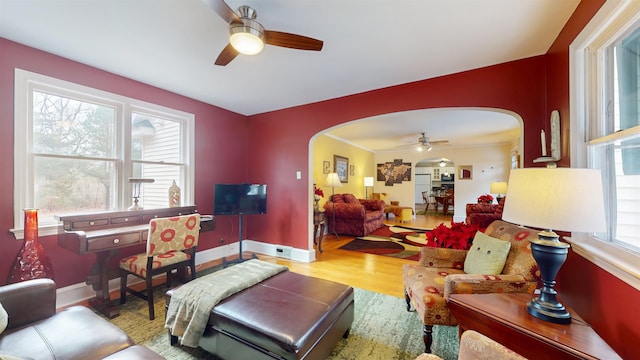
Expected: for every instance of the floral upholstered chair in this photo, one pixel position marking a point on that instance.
(475, 346)
(171, 245)
(441, 272)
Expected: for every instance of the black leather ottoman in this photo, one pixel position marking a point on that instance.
(288, 316)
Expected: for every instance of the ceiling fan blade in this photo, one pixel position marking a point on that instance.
(226, 55)
(225, 12)
(292, 41)
(439, 142)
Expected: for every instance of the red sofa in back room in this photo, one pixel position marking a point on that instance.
(357, 217)
(484, 214)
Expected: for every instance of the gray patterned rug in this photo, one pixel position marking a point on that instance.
(382, 329)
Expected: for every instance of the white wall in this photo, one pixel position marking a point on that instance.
(490, 163)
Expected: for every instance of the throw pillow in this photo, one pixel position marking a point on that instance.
(487, 255)
(4, 319)
(350, 199)
(338, 198)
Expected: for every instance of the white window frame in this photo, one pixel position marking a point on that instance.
(585, 52)
(125, 106)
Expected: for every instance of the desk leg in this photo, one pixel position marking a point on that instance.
(99, 280)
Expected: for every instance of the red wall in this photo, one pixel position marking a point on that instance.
(280, 139)
(221, 148)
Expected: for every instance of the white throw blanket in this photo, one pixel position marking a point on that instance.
(191, 304)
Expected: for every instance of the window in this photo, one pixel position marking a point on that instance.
(606, 112)
(78, 150)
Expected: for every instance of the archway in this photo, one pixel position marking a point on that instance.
(492, 163)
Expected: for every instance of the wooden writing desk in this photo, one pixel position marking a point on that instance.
(504, 318)
(104, 233)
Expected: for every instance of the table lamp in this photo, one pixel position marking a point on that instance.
(499, 188)
(333, 180)
(563, 199)
(368, 182)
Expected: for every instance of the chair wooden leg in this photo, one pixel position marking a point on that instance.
(427, 336)
(123, 286)
(193, 270)
(152, 314)
(169, 279)
(407, 299)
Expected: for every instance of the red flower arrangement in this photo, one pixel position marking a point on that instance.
(486, 198)
(317, 191)
(458, 236)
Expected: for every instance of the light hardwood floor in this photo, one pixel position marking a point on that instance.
(376, 273)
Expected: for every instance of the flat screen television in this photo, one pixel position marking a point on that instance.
(446, 177)
(233, 199)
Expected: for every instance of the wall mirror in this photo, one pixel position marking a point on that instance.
(465, 172)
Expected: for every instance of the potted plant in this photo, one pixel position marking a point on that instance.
(457, 236)
(485, 199)
(317, 195)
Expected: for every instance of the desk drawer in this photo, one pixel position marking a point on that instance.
(88, 224)
(113, 241)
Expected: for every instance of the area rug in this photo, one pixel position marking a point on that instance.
(402, 242)
(382, 329)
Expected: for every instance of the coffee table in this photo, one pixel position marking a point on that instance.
(504, 318)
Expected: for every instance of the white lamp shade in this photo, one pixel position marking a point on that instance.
(333, 180)
(368, 181)
(563, 199)
(499, 187)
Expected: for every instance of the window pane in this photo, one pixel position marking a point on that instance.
(64, 126)
(63, 186)
(623, 193)
(155, 139)
(156, 194)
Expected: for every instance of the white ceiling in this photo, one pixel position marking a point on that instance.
(172, 44)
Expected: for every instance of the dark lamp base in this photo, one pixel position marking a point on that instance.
(552, 312)
(549, 254)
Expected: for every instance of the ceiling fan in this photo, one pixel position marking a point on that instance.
(247, 36)
(424, 144)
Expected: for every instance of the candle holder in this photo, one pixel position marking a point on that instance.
(32, 261)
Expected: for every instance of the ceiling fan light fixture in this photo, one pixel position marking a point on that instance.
(247, 38)
(424, 147)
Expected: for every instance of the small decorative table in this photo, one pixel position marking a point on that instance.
(318, 224)
(504, 318)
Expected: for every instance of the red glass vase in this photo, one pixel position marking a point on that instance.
(31, 262)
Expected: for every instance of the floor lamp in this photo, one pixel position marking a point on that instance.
(563, 199)
(333, 180)
(368, 182)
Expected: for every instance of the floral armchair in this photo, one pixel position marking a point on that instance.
(440, 273)
(357, 217)
(484, 214)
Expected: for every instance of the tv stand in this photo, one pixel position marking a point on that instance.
(240, 259)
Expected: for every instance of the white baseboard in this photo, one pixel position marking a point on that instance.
(76, 293)
(270, 249)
